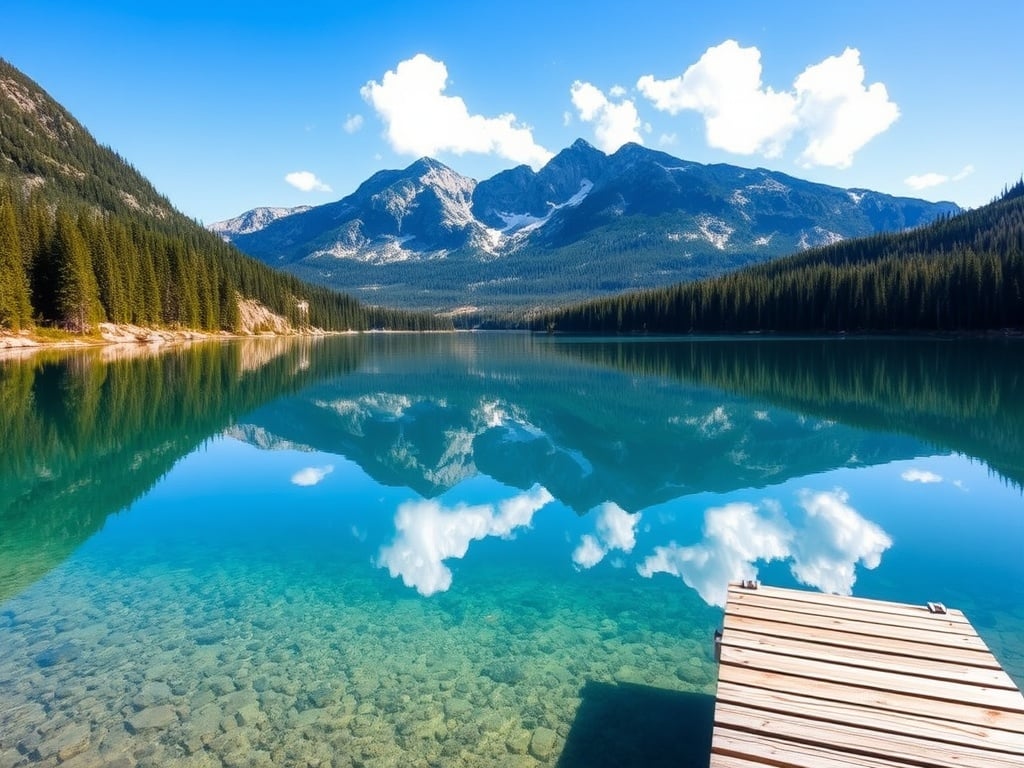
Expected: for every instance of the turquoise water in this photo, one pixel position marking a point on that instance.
(493, 550)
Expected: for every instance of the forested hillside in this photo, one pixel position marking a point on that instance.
(85, 238)
(962, 273)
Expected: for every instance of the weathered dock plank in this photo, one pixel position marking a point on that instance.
(807, 679)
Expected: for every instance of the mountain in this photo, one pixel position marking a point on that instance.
(252, 221)
(961, 273)
(585, 224)
(85, 238)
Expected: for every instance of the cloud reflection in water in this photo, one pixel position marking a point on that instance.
(311, 475)
(615, 529)
(427, 534)
(825, 546)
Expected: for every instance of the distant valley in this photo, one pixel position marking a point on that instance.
(587, 224)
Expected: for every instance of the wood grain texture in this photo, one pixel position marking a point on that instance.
(809, 680)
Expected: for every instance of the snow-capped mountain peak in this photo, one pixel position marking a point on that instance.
(252, 221)
(586, 223)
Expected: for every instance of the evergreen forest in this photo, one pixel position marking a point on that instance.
(963, 273)
(85, 238)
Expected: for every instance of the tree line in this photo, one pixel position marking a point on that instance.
(74, 266)
(961, 273)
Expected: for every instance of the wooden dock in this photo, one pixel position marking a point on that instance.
(807, 679)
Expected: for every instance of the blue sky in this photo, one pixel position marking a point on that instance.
(225, 106)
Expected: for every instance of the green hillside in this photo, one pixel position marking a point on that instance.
(964, 273)
(85, 238)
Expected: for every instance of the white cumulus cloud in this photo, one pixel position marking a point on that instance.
(921, 476)
(838, 113)
(312, 475)
(420, 119)
(921, 181)
(925, 180)
(615, 122)
(829, 105)
(306, 181)
(352, 123)
(615, 529)
(427, 534)
(966, 171)
(725, 87)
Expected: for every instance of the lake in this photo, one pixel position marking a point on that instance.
(469, 549)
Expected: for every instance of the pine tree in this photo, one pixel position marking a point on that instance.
(15, 310)
(78, 301)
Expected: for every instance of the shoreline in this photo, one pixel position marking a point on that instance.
(109, 334)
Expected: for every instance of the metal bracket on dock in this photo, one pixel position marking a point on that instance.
(748, 584)
(936, 608)
(718, 645)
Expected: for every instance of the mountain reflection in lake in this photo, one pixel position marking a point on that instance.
(460, 549)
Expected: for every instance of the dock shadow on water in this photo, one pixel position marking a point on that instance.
(637, 725)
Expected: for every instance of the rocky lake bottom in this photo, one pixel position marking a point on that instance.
(256, 666)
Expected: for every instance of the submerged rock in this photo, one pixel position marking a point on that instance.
(454, 708)
(152, 717)
(58, 654)
(65, 744)
(519, 742)
(152, 693)
(506, 672)
(543, 743)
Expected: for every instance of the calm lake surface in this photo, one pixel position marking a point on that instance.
(469, 549)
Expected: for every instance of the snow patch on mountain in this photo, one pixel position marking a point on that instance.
(488, 240)
(818, 236)
(715, 231)
(382, 251)
(252, 221)
(768, 184)
(855, 196)
(525, 222)
(517, 222)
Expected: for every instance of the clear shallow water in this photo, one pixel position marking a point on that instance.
(469, 550)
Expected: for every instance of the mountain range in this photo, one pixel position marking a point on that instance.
(586, 224)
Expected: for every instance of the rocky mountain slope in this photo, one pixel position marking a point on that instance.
(252, 221)
(585, 224)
